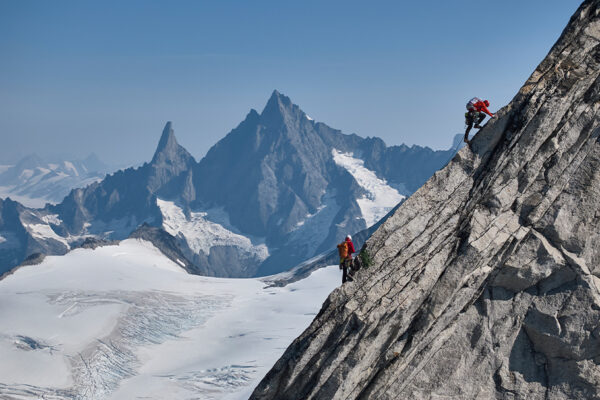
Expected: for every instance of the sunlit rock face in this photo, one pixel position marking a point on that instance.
(485, 281)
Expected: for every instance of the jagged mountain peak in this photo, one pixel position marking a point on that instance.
(169, 151)
(274, 177)
(252, 118)
(170, 159)
(167, 143)
(277, 100)
(280, 109)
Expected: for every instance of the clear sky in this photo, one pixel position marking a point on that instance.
(105, 76)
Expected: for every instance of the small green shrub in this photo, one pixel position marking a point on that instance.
(365, 258)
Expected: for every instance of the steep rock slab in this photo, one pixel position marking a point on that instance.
(485, 282)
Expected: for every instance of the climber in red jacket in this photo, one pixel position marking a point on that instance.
(345, 249)
(475, 114)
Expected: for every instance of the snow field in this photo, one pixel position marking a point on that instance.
(124, 321)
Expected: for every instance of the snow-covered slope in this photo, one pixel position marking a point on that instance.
(125, 322)
(203, 230)
(380, 198)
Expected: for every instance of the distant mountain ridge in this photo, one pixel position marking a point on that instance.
(277, 190)
(34, 181)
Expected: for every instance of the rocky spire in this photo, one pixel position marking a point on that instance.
(167, 145)
(168, 150)
(277, 103)
(280, 110)
(170, 159)
(485, 282)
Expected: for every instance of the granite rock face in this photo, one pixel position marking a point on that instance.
(485, 283)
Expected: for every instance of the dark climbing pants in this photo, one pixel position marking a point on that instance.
(473, 118)
(345, 266)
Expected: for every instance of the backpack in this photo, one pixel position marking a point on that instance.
(471, 103)
(343, 249)
(356, 264)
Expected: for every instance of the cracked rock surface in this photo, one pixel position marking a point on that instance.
(485, 283)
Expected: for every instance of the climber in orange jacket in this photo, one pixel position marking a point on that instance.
(475, 114)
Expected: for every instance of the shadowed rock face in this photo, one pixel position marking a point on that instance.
(485, 281)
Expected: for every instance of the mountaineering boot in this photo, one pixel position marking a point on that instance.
(478, 126)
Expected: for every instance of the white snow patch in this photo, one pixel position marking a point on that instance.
(126, 322)
(205, 229)
(9, 191)
(2, 239)
(27, 201)
(26, 174)
(380, 198)
(45, 232)
(308, 117)
(52, 219)
(70, 167)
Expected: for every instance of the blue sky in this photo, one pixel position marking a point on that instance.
(105, 76)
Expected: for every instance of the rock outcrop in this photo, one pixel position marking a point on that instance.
(485, 281)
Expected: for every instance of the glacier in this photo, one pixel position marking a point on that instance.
(124, 321)
(380, 197)
(205, 229)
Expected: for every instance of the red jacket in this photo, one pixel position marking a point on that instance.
(350, 248)
(480, 106)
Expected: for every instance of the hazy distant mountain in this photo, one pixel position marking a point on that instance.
(277, 190)
(35, 182)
